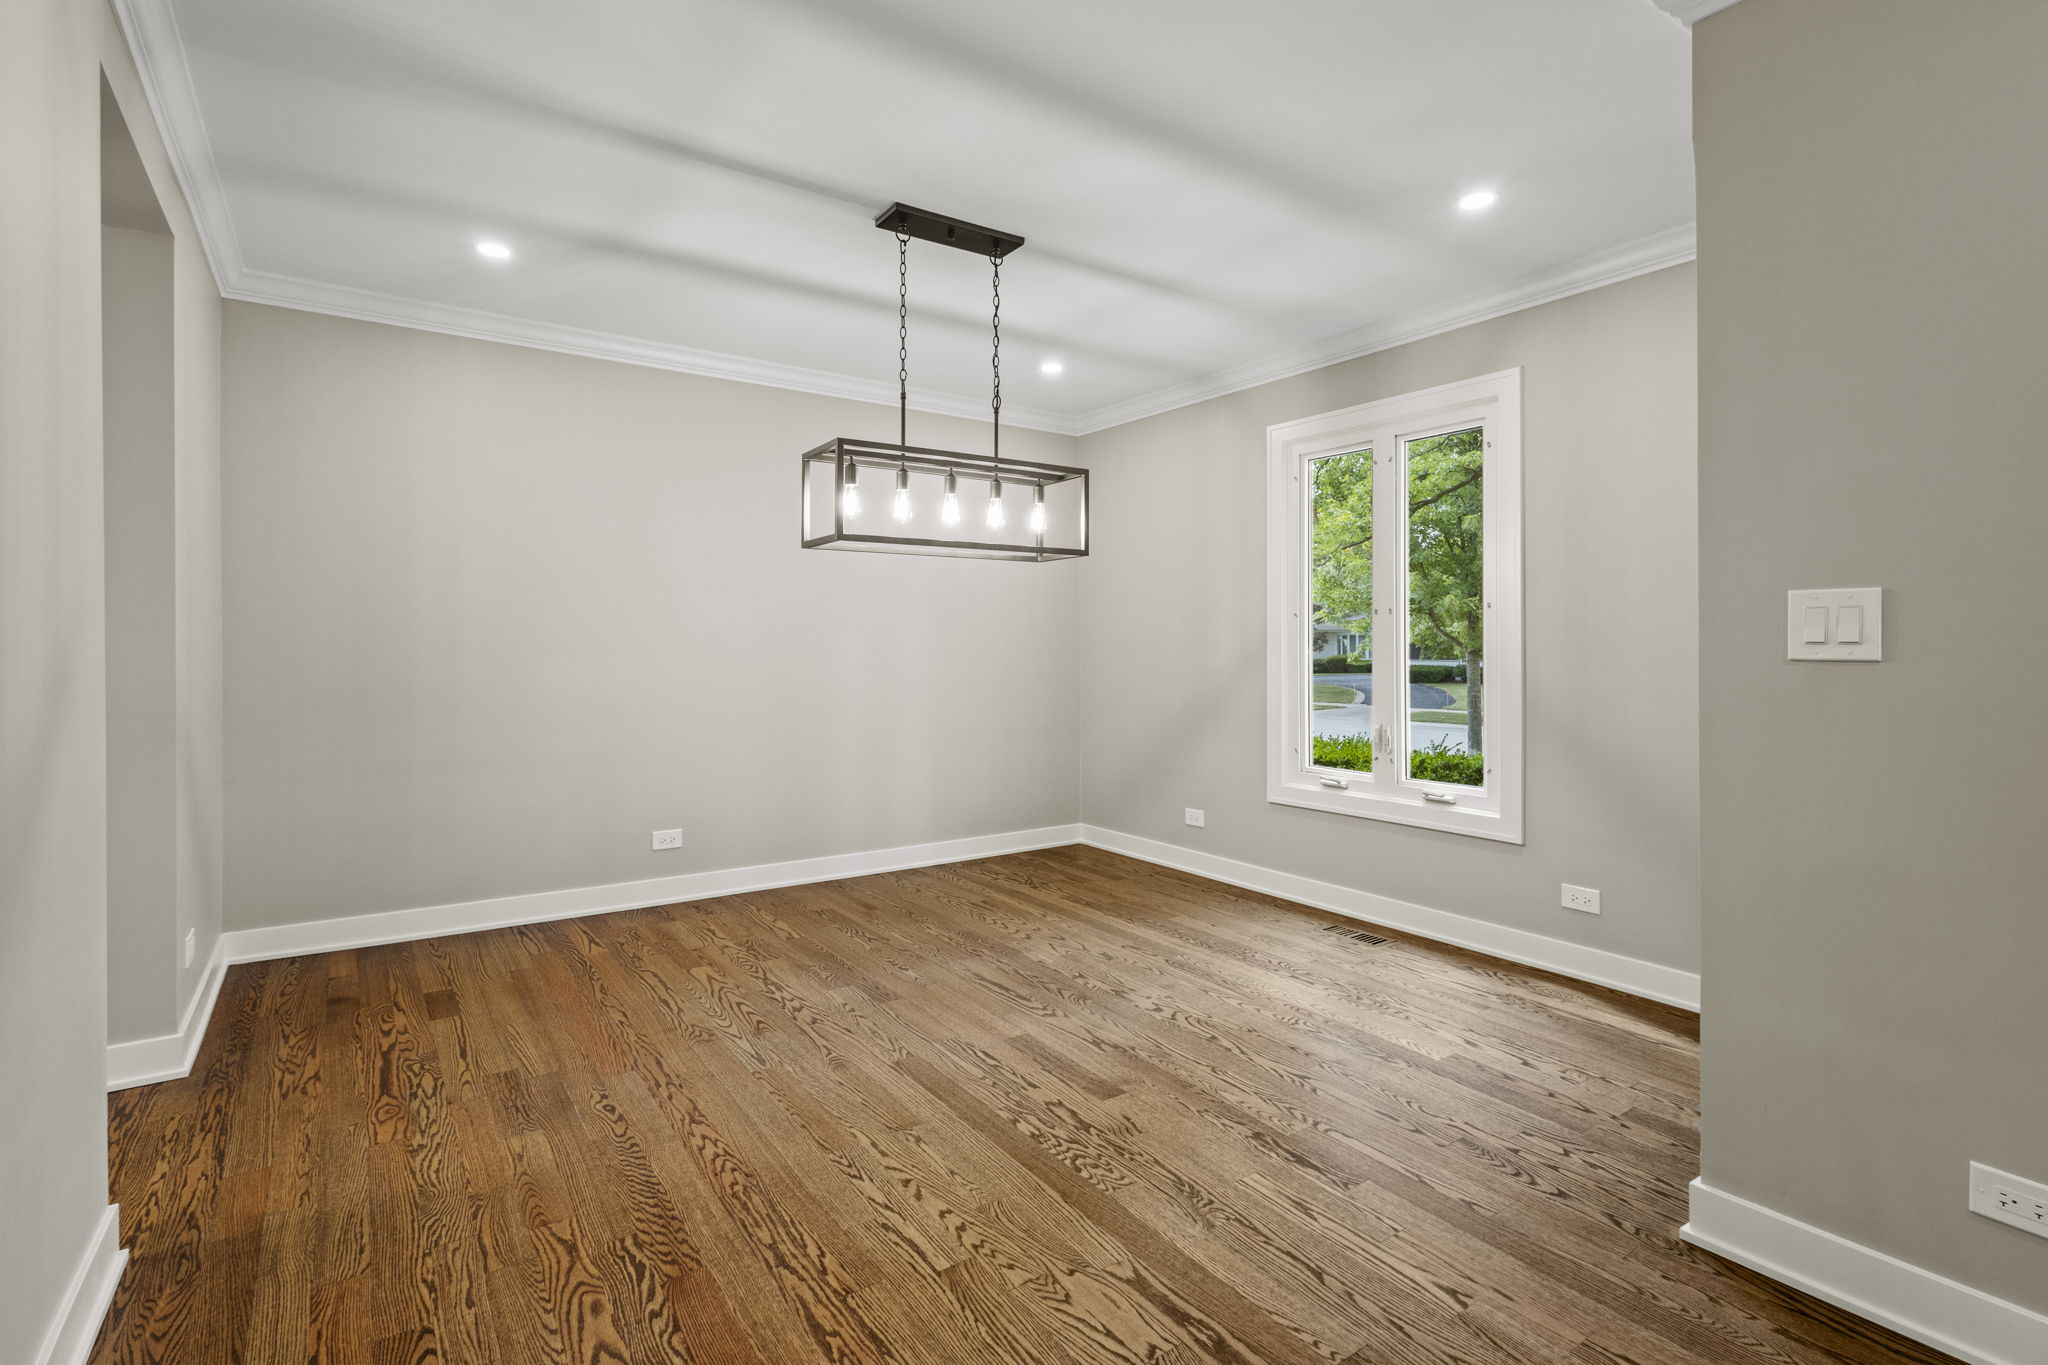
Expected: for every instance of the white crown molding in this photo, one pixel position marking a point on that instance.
(1647, 979)
(1966, 1323)
(76, 1323)
(1640, 257)
(145, 1061)
(151, 29)
(159, 52)
(152, 33)
(1690, 12)
(287, 291)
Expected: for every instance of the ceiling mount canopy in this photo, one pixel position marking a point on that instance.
(924, 515)
(906, 221)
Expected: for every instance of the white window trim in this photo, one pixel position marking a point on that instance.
(1493, 401)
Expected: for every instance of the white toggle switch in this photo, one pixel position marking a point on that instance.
(1834, 623)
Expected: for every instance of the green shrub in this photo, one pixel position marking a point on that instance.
(1438, 763)
(1344, 751)
(1421, 673)
(1441, 763)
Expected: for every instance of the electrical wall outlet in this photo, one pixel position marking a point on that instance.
(668, 838)
(1580, 898)
(191, 945)
(2009, 1199)
(1196, 818)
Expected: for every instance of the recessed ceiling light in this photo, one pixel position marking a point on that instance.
(494, 251)
(1479, 199)
(1052, 367)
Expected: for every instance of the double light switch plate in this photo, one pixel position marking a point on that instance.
(1825, 624)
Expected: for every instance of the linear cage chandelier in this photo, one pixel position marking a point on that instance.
(904, 499)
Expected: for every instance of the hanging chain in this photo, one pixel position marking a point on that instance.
(995, 362)
(902, 340)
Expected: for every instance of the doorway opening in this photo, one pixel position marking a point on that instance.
(137, 279)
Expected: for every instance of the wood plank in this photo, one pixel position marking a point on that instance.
(1057, 1108)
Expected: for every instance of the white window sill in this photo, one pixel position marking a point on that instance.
(1403, 805)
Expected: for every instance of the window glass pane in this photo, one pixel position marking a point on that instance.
(1446, 608)
(1340, 625)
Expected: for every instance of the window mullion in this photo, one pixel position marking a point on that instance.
(1303, 649)
(1390, 605)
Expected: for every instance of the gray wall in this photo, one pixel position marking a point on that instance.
(53, 721)
(494, 614)
(53, 1178)
(1872, 295)
(1174, 640)
(161, 396)
(137, 272)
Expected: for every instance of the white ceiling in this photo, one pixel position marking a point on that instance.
(1214, 192)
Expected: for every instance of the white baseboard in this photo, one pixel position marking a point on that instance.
(1967, 1323)
(76, 1324)
(170, 1057)
(464, 917)
(146, 1061)
(1952, 1317)
(1647, 979)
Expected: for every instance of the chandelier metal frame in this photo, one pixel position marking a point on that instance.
(831, 472)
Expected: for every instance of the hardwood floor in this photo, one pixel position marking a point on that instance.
(1060, 1107)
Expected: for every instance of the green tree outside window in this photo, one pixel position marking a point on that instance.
(1446, 556)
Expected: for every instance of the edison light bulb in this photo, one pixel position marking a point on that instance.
(949, 510)
(849, 496)
(995, 504)
(1038, 510)
(901, 511)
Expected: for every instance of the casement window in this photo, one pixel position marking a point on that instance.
(1397, 525)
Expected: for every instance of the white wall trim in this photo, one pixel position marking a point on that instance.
(1602, 968)
(151, 29)
(152, 32)
(145, 1061)
(464, 917)
(1656, 252)
(1626, 262)
(171, 1057)
(1967, 1323)
(76, 1323)
(288, 291)
(1690, 12)
(1640, 257)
